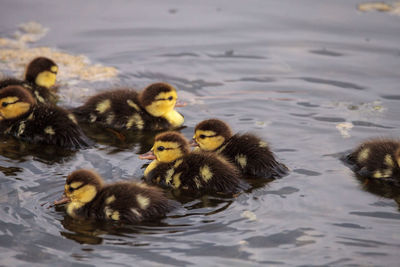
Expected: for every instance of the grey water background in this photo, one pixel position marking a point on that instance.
(289, 71)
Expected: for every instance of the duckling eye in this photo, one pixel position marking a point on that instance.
(71, 189)
(160, 148)
(4, 104)
(170, 98)
(202, 136)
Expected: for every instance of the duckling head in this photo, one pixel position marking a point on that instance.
(15, 101)
(42, 71)
(168, 147)
(159, 100)
(211, 134)
(80, 188)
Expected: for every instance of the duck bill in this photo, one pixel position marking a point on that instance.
(148, 155)
(193, 143)
(64, 199)
(180, 104)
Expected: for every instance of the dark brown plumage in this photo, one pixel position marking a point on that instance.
(250, 154)
(127, 109)
(125, 202)
(194, 173)
(376, 158)
(39, 124)
(34, 68)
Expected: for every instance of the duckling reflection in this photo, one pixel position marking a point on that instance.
(151, 109)
(40, 78)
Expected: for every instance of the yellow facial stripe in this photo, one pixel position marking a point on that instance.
(171, 151)
(13, 109)
(84, 194)
(75, 185)
(162, 105)
(54, 69)
(46, 79)
(210, 142)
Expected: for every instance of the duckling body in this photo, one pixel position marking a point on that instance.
(152, 109)
(22, 118)
(248, 152)
(196, 172)
(377, 158)
(126, 202)
(40, 76)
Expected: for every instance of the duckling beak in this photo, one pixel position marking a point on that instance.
(180, 104)
(64, 199)
(148, 155)
(193, 143)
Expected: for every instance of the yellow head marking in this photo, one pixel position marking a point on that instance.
(241, 160)
(46, 79)
(82, 194)
(49, 130)
(132, 104)
(103, 106)
(75, 185)
(166, 151)
(10, 108)
(143, 201)
(110, 199)
(363, 155)
(205, 173)
(389, 161)
(208, 140)
(176, 180)
(54, 69)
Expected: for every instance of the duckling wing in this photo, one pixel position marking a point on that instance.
(253, 157)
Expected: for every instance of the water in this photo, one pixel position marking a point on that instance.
(313, 78)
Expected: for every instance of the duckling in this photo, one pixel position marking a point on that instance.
(126, 202)
(376, 158)
(22, 118)
(152, 109)
(40, 77)
(250, 154)
(174, 166)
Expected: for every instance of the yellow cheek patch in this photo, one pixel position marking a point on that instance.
(46, 79)
(162, 105)
(363, 155)
(54, 69)
(84, 194)
(171, 153)
(13, 110)
(143, 201)
(103, 106)
(206, 173)
(241, 160)
(209, 143)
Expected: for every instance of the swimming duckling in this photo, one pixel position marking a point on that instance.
(40, 77)
(152, 109)
(126, 202)
(22, 118)
(377, 158)
(175, 167)
(250, 154)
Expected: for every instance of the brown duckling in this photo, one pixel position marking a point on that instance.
(22, 118)
(376, 158)
(175, 167)
(152, 109)
(250, 154)
(126, 202)
(40, 77)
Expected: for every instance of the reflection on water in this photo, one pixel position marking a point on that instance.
(313, 78)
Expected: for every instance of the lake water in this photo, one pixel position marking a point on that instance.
(313, 78)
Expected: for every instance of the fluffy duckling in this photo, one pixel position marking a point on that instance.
(22, 118)
(175, 167)
(126, 202)
(152, 109)
(250, 154)
(377, 158)
(40, 76)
